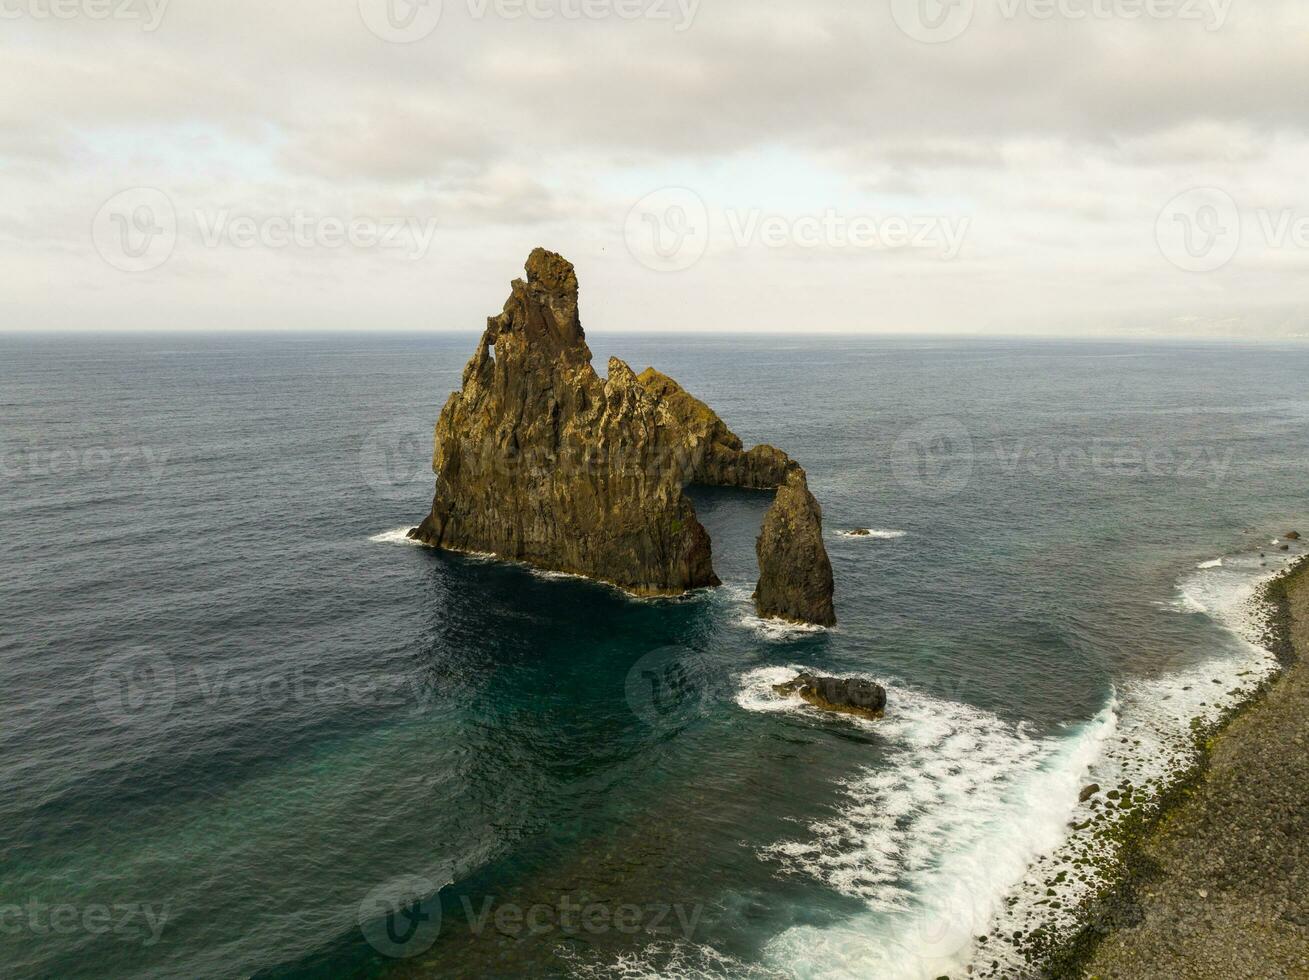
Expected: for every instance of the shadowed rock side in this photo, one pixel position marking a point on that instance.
(795, 574)
(539, 459)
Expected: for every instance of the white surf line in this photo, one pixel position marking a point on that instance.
(974, 830)
(874, 534)
(399, 536)
(932, 841)
(1153, 744)
(773, 630)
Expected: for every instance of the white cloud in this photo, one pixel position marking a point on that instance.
(1057, 140)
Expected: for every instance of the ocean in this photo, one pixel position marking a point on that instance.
(241, 716)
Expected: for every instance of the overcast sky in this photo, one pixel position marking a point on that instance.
(1002, 166)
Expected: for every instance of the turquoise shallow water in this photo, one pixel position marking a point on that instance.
(234, 707)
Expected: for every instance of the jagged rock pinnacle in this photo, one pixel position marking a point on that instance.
(539, 459)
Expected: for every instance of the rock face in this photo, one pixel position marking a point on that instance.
(795, 574)
(539, 459)
(852, 696)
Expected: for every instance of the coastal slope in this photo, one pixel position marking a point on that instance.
(1222, 884)
(538, 459)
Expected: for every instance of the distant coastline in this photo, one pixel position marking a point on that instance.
(1211, 876)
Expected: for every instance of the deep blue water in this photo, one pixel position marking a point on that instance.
(229, 715)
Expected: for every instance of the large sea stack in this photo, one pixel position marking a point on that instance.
(539, 459)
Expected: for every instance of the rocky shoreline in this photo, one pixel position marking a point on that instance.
(1214, 878)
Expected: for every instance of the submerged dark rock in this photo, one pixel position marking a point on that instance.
(539, 459)
(850, 696)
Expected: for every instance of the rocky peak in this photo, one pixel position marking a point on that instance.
(795, 574)
(541, 312)
(540, 460)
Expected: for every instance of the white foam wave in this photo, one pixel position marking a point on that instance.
(1216, 563)
(873, 534)
(755, 692)
(399, 536)
(777, 630)
(972, 827)
(551, 575)
(1225, 590)
(1153, 742)
(674, 960)
(931, 840)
